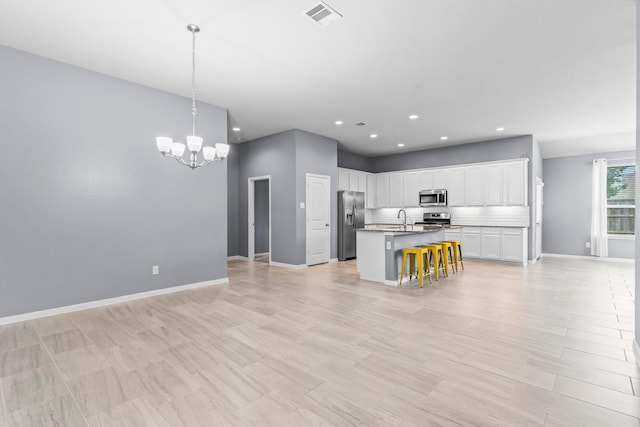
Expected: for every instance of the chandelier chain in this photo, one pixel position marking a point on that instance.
(193, 82)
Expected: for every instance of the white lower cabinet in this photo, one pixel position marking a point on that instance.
(512, 245)
(471, 242)
(494, 243)
(490, 243)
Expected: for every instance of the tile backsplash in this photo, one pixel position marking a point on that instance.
(491, 216)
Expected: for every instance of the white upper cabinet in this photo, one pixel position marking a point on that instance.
(515, 183)
(439, 179)
(396, 185)
(455, 186)
(411, 189)
(343, 179)
(362, 182)
(426, 180)
(370, 195)
(353, 180)
(474, 185)
(493, 187)
(382, 190)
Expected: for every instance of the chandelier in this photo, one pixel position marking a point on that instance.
(170, 148)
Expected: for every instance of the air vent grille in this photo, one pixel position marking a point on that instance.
(322, 14)
(360, 124)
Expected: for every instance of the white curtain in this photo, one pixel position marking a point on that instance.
(599, 241)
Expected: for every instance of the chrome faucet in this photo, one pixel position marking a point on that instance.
(404, 221)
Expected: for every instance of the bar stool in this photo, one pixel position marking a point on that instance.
(415, 253)
(449, 256)
(444, 254)
(457, 252)
(436, 254)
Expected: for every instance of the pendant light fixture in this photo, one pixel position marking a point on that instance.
(170, 148)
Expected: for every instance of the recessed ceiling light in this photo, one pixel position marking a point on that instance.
(339, 122)
(236, 129)
(373, 135)
(499, 129)
(444, 138)
(401, 145)
(413, 116)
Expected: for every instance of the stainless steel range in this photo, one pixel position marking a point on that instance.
(442, 219)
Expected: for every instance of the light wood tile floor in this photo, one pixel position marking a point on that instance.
(496, 345)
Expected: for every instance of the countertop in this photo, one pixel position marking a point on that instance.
(411, 228)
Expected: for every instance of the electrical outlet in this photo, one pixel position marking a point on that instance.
(587, 245)
(388, 246)
(155, 270)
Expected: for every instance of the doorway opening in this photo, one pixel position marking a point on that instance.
(259, 224)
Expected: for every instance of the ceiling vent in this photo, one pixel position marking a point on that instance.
(360, 124)
(322, 13)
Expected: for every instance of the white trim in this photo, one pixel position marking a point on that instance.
(237, 257)
(262, 254)
(636, 352)
(295, 267)
(391, 282)
(585, 257)
(621, 237)
(251, 215)
(333, 260)
(108, 301)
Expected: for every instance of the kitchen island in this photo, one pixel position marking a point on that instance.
(379, 249)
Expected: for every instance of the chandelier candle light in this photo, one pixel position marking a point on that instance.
(168, 147)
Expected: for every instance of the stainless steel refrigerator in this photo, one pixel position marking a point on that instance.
(350, 218)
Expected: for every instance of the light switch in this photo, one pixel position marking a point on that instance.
(301, 205)
(388, 246)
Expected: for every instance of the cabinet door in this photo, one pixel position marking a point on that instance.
(471, 244)
(512, 245)
(395, 190)
(343, 179)
(455, 186)
(491, 243)
(362, 182)
(439, 180)
(353, 180)
(370, 195)
(515, 184)
(493, 185)
(426, 180)
(411, 188)
(474, 185)
(382, 191)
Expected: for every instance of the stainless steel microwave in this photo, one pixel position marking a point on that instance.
(433, 198)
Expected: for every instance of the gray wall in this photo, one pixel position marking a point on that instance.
(287, 157)
(318, 155)
(485, 151)
(275, 156)
(353, 161)
(88, 203)
(567, 206)
(261, 208)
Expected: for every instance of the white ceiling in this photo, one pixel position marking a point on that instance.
(563, 70)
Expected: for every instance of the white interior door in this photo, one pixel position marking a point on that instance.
(318, 219)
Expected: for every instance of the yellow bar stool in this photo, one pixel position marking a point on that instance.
(443, 257)
(416, 256)
(436, 254)
(448, 255)
(457, 252)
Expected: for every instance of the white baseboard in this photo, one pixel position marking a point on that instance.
(261, 254)
(333, 260)
(636, 352)
(292, 266)
(108, 301)
(237, 258)
(588, 257)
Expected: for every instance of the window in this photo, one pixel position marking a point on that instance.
(621, 200)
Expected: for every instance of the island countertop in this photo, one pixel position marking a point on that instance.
(410, 228)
